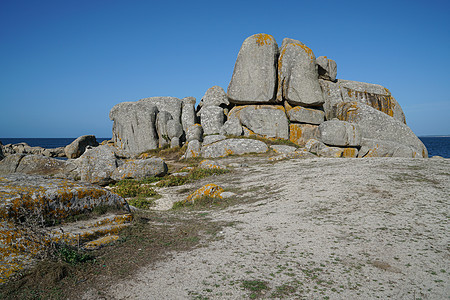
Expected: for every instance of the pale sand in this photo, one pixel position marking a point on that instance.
(336, 228)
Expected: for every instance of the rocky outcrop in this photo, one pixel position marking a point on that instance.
(327, 68)
(297, 76)
(134, 126)
(140, 169)
(77, 147)
(265, 120)
(24, 148)
(214, 96)
(2, 156)
(194, 132)
(254, 76)
(304, 115)
(209, 139)
(233, 147)
(33, 164)
(376, 125)
(384, 148)
(232, 127)
(193, 149)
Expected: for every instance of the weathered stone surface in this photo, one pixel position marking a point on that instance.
(233, 146)
(10, 163)
(2, 156)
(193, 149)
(214, 96)
(54, 152)
(350, 153)
(174, 129)
(340, 133)
(97, 165)
(211, 164)
(41, 165)
(289, 41)
(134, 126)
(162, 119)
(169, 104)
(327, 68)
(27, 201)
(304, 115)
(379, 126)
(194, 132)
(297, 76)
(188, 117)
(373, 95)
(283, 149)
(209, 139)
(300, 133)
(254, 75)
(77, 147)
(140, 169)
(265, 120)
(383, 148)
(175, 142)
(211, 119)
(232, 127)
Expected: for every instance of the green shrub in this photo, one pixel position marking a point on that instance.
(133, 188)
(73, 256)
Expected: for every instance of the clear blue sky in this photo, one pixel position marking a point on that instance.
(65, 64)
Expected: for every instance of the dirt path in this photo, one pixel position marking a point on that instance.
(320, 229)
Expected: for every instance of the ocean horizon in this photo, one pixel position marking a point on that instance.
(436, 144)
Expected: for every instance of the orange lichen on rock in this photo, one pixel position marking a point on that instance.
(295, 133)
(103, 241)
(264, 39)
(210, 190)
(347, 111)
(383, 103)
(350, 152)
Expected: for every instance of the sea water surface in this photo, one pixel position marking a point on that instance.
(436, 145)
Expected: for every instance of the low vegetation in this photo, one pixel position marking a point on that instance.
(192, 176)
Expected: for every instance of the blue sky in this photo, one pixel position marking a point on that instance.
(65, 64)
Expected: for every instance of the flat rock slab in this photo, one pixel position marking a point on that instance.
(233, 147)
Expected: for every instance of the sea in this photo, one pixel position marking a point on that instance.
(436, 145)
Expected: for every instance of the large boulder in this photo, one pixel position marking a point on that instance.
(41, 165)
(188, 112)
(297, 76)
(97, 165)
(194, 132)
(140, 169)
(232, 127)
(327, 68)
(134, 126)
(10, 163)
(254, 76)
(211, 119)
(265, 120)
(376, 125)
(214, 96)
(174, 129)
(289, 41)
(77, 147)
(340, 133)
(193, 149)
(302, 114)
(383, 148)
(373, 95)
(209, 139)
(300, 133)
(233, 147)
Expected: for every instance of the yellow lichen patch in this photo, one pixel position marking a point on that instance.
(347, 111)
(295, 134)
(287, 106)
(350, 152)
(383, 103)
(210, 190)
(106, 240)
(306, 49)
(263, 39)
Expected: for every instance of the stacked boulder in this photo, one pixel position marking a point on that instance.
(276, 93)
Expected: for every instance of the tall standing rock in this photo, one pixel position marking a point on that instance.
(169, 104)
(134, 126)
(212, 119)
(188, 112)
(254, 77)
(162, 118)
(297, 76)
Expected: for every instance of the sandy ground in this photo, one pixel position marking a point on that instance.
(319, 229)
